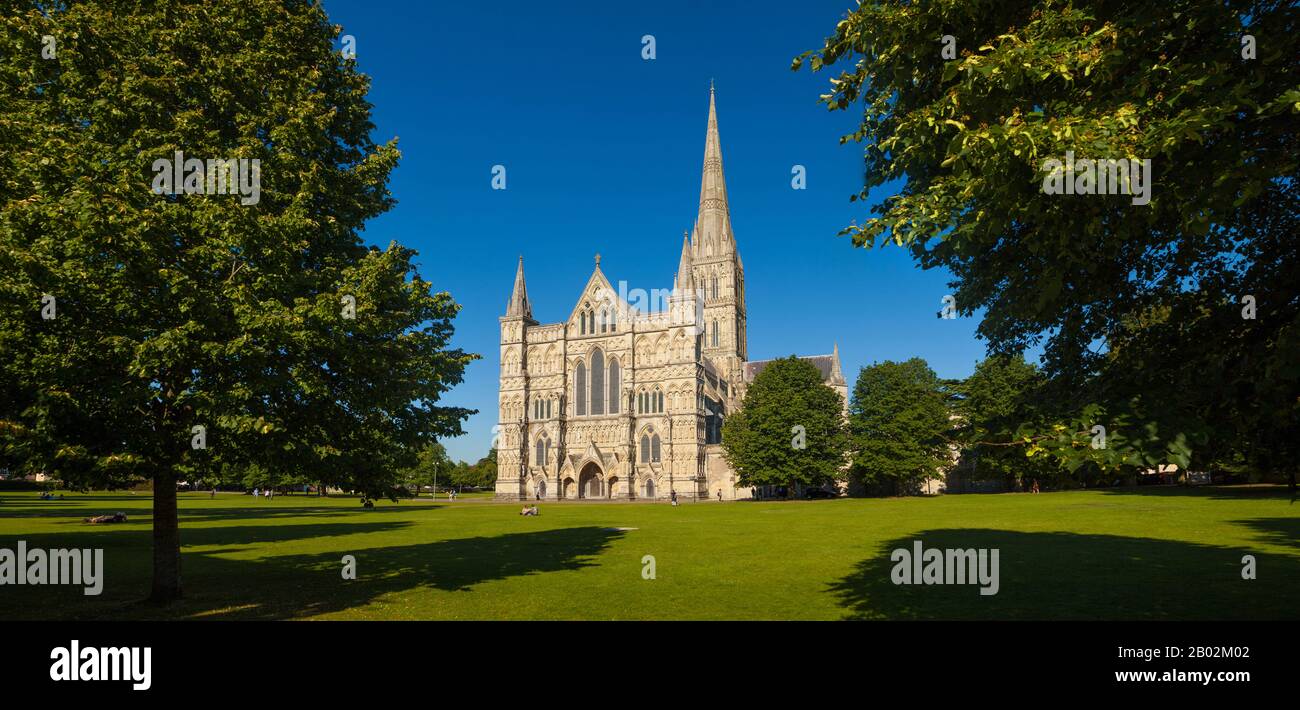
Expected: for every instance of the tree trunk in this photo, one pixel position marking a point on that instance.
(166, 539)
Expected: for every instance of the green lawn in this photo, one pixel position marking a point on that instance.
(1117, 554)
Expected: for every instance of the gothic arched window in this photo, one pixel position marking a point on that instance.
(645, 448)
(715, 334)
(597, 382)
(580, 388)
(613, 320)
(603, 322)
(714, 287)
(614, 386)
(654, 448)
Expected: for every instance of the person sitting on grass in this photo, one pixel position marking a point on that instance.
(529, 510)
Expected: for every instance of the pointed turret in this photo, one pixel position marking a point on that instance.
(837, 374)
(519, 305)
(713, 235)
(685, 280)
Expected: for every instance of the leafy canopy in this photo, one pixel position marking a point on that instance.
(1137, 307)
(899, 421)
(195, 310)
(790, 428)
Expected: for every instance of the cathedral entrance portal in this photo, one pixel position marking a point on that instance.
(589, 483)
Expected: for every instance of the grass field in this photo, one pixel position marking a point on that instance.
(1113, 554)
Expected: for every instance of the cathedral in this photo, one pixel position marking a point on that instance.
(625, 401)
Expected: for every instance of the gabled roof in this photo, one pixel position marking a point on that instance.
(596, 289)
(827, 365)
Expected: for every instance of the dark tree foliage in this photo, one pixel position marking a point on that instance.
(1140, 308)
(199, 331)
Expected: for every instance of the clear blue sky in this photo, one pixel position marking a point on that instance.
(603, 152)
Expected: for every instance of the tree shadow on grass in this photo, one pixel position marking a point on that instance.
(1057, 576)
(456, 565)
(127, 559)
(1275, 531)
(294, 586)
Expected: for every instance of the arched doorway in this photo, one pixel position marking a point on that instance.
(566, 488)
(649, 488)
(589, 483)
(539, 490)
(611, 487)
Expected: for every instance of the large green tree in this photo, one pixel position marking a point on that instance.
(899, 419)
(193, 331)
(789, 429)
(1139, 308)
(997, 402)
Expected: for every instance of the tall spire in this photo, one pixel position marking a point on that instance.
(684, 279)
(519, 305)
(713, 225)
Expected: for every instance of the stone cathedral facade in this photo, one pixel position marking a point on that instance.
(626, 400)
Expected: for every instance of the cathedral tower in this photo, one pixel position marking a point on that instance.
(719, 274)
(513, 398)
